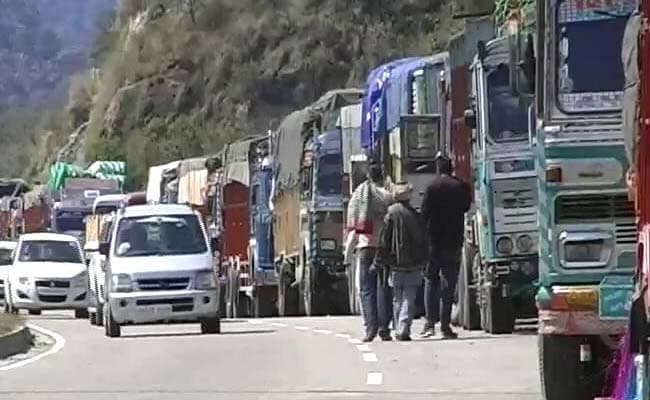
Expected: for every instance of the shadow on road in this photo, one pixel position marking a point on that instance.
(184, 334)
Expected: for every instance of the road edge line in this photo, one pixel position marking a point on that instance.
(59, 343)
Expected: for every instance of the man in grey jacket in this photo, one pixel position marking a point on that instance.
(402, 250)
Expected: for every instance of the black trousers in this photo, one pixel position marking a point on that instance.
(440, 282)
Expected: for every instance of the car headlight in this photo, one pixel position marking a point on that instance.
(205, 280)
(80, 280)
(525, 243)
(24, 281)
(504, 245)
(121, 283)
(328, 244)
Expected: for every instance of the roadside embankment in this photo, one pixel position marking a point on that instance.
(15, 337)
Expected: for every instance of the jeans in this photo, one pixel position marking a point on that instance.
(441, 278)
(375, 296)
(405, 289)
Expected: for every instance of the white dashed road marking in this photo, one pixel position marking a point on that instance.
(354, 341)
(279, 324)
(370, 357)
(363, 347)
(302, 328)
(323, 331)
(342, 335)
(374, 378)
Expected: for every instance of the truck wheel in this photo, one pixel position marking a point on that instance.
(34, 312)
(111, 328)
(100, 314)
(287, 298)
(81, 313)
(92, 318)
(310, 296)
(564, 376)
(497, 312)
(469, 315)
(241, 307)
(264, 301)
(211, 326)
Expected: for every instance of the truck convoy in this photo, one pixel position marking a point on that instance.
(307, 200)
(587, 233)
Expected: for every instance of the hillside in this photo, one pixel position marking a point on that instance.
(179, 78)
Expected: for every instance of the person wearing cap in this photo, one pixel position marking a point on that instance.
(445, 202)
(368, 205)
(402, 251)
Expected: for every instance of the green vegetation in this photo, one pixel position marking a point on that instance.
(179, 78)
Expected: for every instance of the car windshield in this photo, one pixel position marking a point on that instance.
(330, 174)
(159, 235)
(508, 114)
(50, 251)
(590, 77)
(5, 256)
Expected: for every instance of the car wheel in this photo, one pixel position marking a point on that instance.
(34, 312)
(211, 325)
(111, 328)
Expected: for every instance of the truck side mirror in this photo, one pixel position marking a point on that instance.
(104, 248)
(470, 118)
(528, 63)
(481, 50)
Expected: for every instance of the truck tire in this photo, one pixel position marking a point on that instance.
(469, 315)
(311, 299)
(92, 318)
(264, 304)
(287, 298)
(563, 376)
(497, 312)
(211, 326)
(34, 312)
(81, 313)
(100, 314)
(111, 328)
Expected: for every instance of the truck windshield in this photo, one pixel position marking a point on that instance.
(159, 235)
(590, 77)
(507, 113)
(330, 175)
(65, 221)
(50, 251)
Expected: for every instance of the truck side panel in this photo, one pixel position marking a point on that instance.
(236, 220)
(286, 226)
(36, 219)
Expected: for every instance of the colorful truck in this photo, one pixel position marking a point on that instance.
(23, 209)
(307, 205)
(499, 269)
(586, 228)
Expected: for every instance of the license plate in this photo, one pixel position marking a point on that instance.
(584, 298)
(154, 311)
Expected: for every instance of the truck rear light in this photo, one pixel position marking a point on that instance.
(574, 299)
(554, 174)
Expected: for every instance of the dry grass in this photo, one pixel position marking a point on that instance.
(9, 323)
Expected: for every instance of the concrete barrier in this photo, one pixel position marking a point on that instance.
(18, 341)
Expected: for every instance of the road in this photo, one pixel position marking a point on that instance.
(271, 359)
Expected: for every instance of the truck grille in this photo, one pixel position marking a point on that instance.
(164, 284)
(515, 193)
(608, 208)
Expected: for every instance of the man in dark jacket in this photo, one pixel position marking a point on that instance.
(444, 205)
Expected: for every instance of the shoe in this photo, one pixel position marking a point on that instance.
(385, 336)
(402, 338)
(368, 338)
(448, 334)
(428, 332)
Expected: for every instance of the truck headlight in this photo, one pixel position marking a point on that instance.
(588, 251)
(121, 283)
(525, 243)
(504, 245)
(328, 244)
(205, 280)
(80, 280)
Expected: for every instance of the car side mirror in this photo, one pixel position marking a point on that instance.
(470, 118)
(104, 248)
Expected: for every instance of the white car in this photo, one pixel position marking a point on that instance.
(6, 257)
(48, 273)
(159, 269)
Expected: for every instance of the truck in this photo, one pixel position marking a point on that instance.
(307, 206)
(586, 222)
(499, 268)
(23, 209)
(246, 248)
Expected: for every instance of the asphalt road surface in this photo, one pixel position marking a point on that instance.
(270, 359)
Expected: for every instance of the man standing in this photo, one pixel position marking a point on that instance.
(444, 205)
(368, 205)
(403, 252)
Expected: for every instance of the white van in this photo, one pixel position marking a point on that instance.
(159, 269)
(48, 273)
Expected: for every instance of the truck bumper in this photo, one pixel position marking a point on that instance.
(578, 323)
(183, 305)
